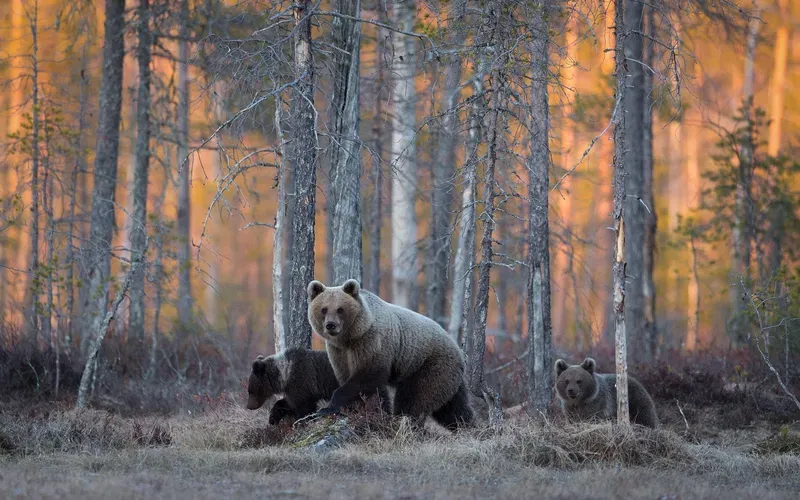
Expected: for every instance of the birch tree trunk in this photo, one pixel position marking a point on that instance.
(346, 161)
(141, 174)
(184, 173)
(278, 316)
(620, 162)
(442, 172)
(404, 159)
(778, 84)
(378, 133)
(649, 332)
(304, 156)
(538, 286)
(635, 213)
(97, 250)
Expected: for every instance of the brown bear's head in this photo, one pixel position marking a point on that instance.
(266, 380)
(334, 310)
(576, 382)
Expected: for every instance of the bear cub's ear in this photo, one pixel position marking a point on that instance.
(260, 365)
(560, 366)
(351, 287)
(315, 288)
(588, 365)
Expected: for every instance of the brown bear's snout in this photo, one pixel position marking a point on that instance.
(572, 393)
(331, 328)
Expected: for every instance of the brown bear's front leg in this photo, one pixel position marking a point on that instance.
(366, 382)
(279, 411)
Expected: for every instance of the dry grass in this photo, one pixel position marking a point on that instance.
(233, 452)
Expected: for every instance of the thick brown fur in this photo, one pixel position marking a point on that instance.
(372, 343)
(302, 376)
(586, 395)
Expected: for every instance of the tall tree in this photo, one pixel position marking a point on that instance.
(404, 159)
(141, 173)
(304, 163)
(346, 161)
(538, 290)
(442, 173)
(184, 172)
(649, 332)
(97, 250)
(278, 310)
(778, 84)
(635, 212)
(620, 214)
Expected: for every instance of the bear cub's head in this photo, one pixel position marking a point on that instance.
(333, 310)
(575, 383)
(266, 380)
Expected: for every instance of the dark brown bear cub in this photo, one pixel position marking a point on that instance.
(302, 376)
(586, 395)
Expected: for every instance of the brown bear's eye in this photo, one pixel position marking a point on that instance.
(578, 382)
(340, 310)
(324, 310)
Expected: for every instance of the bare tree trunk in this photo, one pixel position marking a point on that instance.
(692, 201)
(278, 320)
(742, 230)
(442, 175)
(33, 285)
(404, 160)
(778, 86)
(97, 250)
(538, 288)
(346, 163)
(51, 263)
(618, 270)
(141, 177)
(304, 156)
(649, 332)
(378, 133)
(184, 174)
(158, 272)
(90, 368)
(634, 211)
(78, 169)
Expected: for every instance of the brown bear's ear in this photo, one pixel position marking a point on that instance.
(588, 365)
(560, 366)
(351, 287)
(260, 366)
(314, 288)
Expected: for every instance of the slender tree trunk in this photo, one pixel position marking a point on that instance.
(635, 213)
(33, 285)
(538, 286)
(346, 164)
(78, 169)
(90, 368)
(141, 175)
(378, 134)
(97, 250)
(278, 320)
(778, 84)
(404, 160)
(158, 276)
(51, 263)
(692, 202)
(304, 156)
(184, 175)
(442, 172)
(620, 161)
(649, 332)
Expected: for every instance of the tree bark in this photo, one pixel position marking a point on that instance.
(346, 162)
(304, 156)
(442, 175)
(33, 286)
(404, 160)
(778, 84)
(538, 283)
(620, 162)
(378, 133)
(184, 175)
(278, 319)
(692, 202)
(635, 213)
(649, 332)
(141, 174)
(97, 250)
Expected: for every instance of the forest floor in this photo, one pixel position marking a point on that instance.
(226, 451)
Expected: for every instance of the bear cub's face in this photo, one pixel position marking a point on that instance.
(576, 382)
(265, 382)
(332, 310)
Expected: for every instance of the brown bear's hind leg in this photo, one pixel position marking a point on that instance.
(456, 413)
(428, 389)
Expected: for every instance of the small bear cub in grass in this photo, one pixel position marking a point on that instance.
(586, 395)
